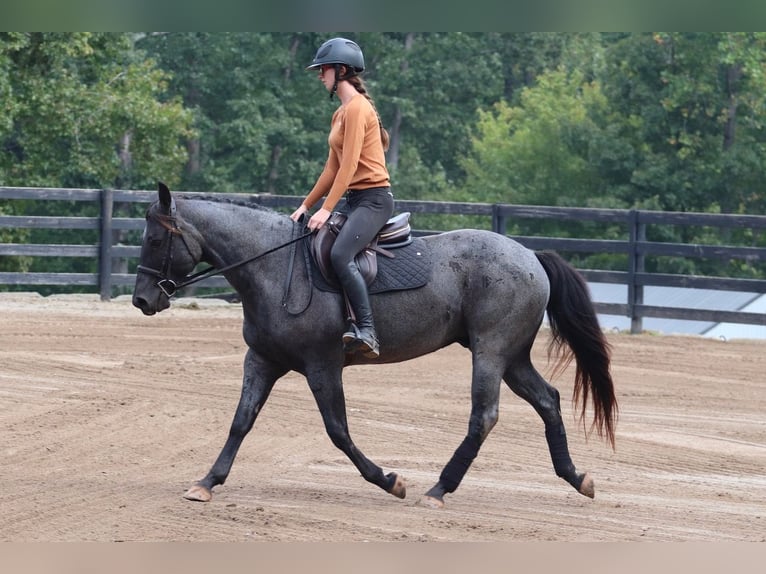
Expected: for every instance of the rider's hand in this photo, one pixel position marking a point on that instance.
(318, 219)
(296, 215)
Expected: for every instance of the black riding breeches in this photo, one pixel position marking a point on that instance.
(368, 211)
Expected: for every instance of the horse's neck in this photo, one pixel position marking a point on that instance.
(230, 233)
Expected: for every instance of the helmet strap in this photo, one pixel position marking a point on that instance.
(350, 73)
(337, 79)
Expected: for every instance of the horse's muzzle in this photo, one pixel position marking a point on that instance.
(143, 304)
(147, 307)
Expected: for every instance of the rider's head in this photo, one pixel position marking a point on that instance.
(343, 55)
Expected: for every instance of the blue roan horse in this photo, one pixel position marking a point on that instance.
(485, 291)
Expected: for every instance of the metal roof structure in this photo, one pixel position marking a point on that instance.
(684, 297)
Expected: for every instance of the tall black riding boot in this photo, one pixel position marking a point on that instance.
(361, 336)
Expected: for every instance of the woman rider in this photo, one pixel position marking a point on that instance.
(356, 167)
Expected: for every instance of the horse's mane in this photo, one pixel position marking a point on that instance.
(215, 198)
(168, 221)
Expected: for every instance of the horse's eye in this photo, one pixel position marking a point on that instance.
(155, 242)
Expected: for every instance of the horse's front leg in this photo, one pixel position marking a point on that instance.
(258, 380)
(327, 387)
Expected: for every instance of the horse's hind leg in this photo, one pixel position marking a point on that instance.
(327, 389)
(526, 382)
(485, 397)
(259, 378)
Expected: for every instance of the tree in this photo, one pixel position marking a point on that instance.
(87, 113)
(82, 110)
(539, 152)
(691, 105)
(433, 85)
(260, 117)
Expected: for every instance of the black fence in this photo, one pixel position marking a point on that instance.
(118, 243)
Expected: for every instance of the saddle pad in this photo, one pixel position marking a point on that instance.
(408, 269)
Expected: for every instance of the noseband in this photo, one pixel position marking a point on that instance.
(167, 285)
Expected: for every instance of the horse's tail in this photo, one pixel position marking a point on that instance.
(573, 322)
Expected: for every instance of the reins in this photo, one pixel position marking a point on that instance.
(289, 275)
(169, 287)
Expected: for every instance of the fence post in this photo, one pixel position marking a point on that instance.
(105, 242)
(498, 220)
(635, 265)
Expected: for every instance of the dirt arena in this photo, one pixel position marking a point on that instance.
(108, 417)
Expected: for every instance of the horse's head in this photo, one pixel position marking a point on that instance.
(167, 256)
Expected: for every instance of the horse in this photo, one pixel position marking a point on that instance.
(485, 291)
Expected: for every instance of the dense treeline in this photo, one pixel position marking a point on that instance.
(668, 121)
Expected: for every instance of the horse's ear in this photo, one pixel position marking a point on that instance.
(166, 200)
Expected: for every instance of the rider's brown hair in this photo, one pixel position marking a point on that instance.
(360, 87)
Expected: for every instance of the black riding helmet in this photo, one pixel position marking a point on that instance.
(337, 52)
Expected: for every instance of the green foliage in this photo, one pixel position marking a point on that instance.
(261, 119)
(541, 151)
(414, 180)
(690, 107)
(85, 112)
(82, 110)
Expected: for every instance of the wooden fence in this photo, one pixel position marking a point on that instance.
(635, 246)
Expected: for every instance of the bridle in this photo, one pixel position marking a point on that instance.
(169, 286)
(165, 283)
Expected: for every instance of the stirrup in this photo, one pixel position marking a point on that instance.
(351, 334)
(356, 341)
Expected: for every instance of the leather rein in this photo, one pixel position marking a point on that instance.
(169, 287)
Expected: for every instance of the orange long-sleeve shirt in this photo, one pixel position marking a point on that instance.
(356, 159)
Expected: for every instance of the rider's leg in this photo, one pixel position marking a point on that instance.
(368, 211)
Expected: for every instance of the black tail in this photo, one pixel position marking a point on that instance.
(573, 322)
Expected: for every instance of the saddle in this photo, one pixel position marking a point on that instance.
(395, 233)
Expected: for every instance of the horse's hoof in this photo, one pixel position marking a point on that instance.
(588, 488)
(198, 493)
(431, 502)
(399, 489)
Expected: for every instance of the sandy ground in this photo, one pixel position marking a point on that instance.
(107, 417)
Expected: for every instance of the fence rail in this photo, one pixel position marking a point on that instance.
(635, 246)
